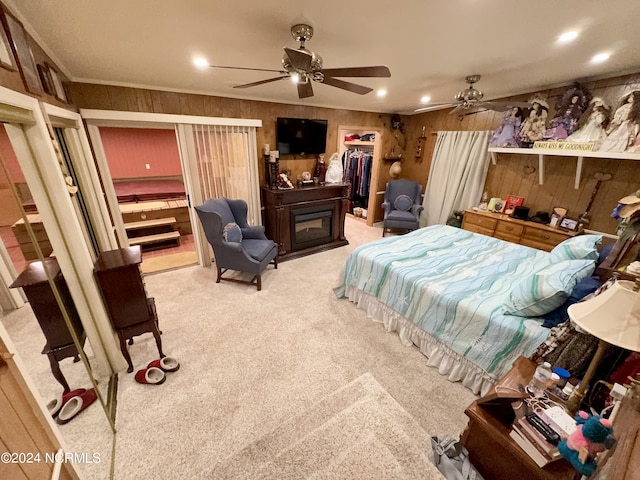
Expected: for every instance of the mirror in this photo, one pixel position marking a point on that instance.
(46, 332)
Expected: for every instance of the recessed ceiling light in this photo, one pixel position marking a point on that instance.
(599, 58)
(382, 93)
(200, 62)
(425, 99)
(567, 37)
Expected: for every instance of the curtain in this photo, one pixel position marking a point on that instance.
(457, 175)
(227, 167)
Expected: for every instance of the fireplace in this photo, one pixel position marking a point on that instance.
(311, 226)
(305, 220)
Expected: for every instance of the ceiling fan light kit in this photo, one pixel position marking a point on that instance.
(304, 67)
(470, 98)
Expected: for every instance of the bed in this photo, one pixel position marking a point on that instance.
(443, 289)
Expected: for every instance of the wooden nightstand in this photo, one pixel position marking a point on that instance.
(491, 449)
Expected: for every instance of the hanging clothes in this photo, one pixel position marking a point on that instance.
(357, 166)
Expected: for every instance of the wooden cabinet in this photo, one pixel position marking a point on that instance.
(305, 220)
(130, 310)
(530, 234)
(59, 342)
(491, 449)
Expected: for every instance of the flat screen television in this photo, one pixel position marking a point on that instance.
(301, 136)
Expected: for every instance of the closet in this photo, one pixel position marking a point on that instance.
(359, 150)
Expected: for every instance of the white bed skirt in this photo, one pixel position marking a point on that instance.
(448, 362)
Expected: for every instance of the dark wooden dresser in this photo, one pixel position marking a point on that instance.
(305, 220)
(130, 310)
(59, 342)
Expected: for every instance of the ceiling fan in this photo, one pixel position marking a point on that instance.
(303, 66)
(470, 98)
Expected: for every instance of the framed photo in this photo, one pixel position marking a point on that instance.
(7, 59)
(511, 203)
(569, 224)
(557, 215)
(22, 52)
(58, 87)
(45, 79)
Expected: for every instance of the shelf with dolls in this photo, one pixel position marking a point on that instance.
(562, 152)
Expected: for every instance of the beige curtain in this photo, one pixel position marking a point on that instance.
(458, 172)
(227, 165)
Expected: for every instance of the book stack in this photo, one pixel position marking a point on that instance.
(538, 434)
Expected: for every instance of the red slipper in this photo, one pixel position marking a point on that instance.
(168, 364)
(56, 404)
(150, 376)
(75, 405)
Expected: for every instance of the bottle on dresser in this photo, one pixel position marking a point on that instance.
(538, 383)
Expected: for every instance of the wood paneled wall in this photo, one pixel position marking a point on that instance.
(506, 178)
(509, 176)
(141, 100)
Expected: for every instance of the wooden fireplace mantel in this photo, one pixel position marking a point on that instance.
(280, 206)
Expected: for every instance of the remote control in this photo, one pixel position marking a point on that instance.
(547, 432)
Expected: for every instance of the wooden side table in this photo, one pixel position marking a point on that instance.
(131, 312)
(59, 342)
(491, 449)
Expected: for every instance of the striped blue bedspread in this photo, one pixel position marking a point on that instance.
(451, 283)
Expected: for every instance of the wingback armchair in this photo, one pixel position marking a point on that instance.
(402, 205)
(236, 245)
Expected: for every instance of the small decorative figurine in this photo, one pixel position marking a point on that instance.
(535, 124)
(506, 135)
(593, 123)
(622, 130)
(569, 110)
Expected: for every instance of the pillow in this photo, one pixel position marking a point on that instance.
(577, 248)
(546, 290)
(403, 202)
(232, 232)
(583, 288)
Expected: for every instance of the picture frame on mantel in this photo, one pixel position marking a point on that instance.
(22, 52)
(7, 60)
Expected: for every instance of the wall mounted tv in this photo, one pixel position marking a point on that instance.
(301, 136)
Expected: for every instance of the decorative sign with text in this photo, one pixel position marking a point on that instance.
(558, 145)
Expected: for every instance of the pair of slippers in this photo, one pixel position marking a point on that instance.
(66, 408)
(154, 374)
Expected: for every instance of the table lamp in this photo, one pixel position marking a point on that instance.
(613, 317)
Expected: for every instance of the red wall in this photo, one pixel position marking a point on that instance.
(128, 150)
(10, 159)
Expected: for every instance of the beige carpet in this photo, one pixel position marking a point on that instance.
(254, 363)
(359, 431)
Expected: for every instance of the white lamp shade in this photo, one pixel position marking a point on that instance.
(612, 316)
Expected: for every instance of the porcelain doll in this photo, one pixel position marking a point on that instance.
(534, 126)
(569, 110)
(506, 135)
(592, 126)
(622, 132)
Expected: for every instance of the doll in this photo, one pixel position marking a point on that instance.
(533, 127)
(622, 131)
(506, 135)
(593, 123)
(568, 111)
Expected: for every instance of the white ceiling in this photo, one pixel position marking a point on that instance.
(429, 45)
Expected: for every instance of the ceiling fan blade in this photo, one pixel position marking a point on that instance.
(305, 90)
(504, 106)
(377, 71)
(261, 82)
(300, 59)
(246, 68)
(434, 106)
(351, 87)
(458, 109)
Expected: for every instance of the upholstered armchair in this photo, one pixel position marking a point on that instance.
(402, 205)
(236, 245)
